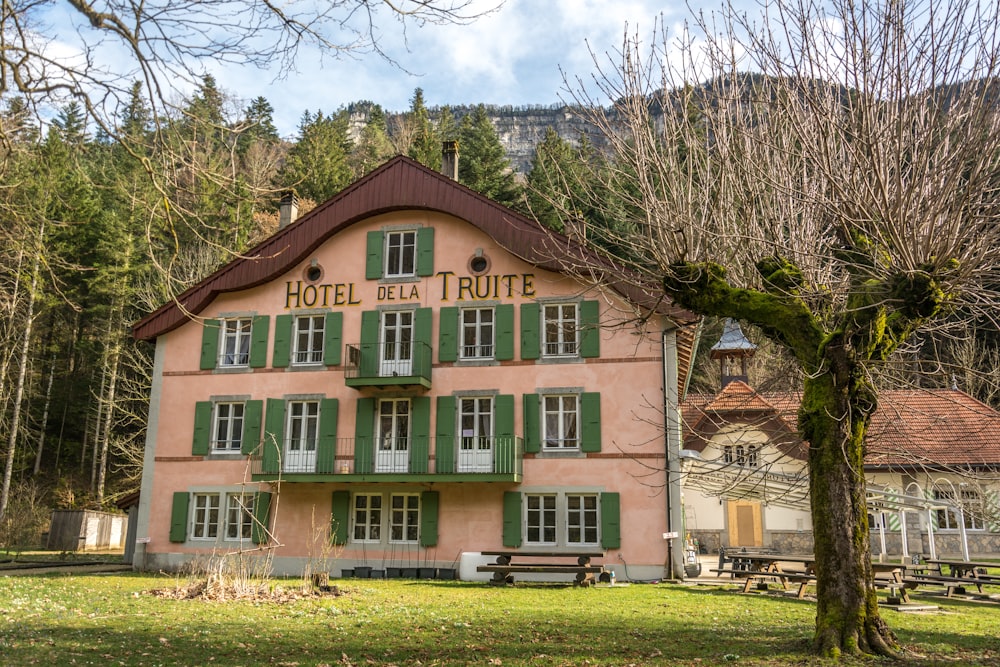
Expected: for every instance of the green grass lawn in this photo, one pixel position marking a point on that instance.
(55, 620)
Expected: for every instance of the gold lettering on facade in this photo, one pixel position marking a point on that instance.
(479, 288)
(298, 295)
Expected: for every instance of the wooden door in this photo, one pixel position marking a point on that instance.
(745, 527)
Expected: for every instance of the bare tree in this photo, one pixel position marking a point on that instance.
(827, 172)
(96, 52)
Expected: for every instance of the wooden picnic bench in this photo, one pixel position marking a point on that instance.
(575, 563)
(960, 573)
(762, 568)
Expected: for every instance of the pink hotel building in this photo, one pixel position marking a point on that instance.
(406, 373)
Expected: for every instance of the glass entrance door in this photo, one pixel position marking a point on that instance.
(392, 440)
(475, 450)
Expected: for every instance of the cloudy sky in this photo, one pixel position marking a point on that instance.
(514, 56)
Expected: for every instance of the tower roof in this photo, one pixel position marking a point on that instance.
(732, 343)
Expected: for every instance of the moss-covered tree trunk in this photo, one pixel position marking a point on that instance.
(834, 416)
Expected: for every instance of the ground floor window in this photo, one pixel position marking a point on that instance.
(973, 510)
(554, 519)
(401, 523)
(208, 521)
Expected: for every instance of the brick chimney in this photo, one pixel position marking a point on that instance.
(449, 159)
(288, 209)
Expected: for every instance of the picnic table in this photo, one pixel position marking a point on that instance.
(576, 563)
(759, 568)
(954, 575)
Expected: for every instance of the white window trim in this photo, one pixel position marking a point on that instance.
(236, 358)
(217, 418)
(221, 523)
(561, 351)
(368, 513)
(392, 272)
(386, 523)
(477, 327)
(562, 514)
(311, 337)
(546, 447)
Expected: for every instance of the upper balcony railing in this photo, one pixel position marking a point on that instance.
(388, 364)
(415, 459)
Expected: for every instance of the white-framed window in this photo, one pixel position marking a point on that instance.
(235, 348)
(209, 521)
(309, 335)
(303, 425)
(560, 323)
(743, 456)
(228, 429)
(367, 517)
(205, 516)
(478, 333)
(392, 518)
(561, 421)
(239, 516)
(404, 517)
(400, 254)
(972, 509)
(582, 518)
(540, 519)
(562, 519)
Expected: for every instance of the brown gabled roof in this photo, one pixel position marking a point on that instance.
(911, 429)
(932, 428)
(404, 184)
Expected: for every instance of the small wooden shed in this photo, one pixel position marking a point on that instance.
(86, 530)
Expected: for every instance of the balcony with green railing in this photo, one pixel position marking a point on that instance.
(391, 459)
(388, 364)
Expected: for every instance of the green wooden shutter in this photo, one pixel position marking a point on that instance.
(364, 431)
(274, 435)
(423, 322)
(444, 445)
(369, 344)
(251, 427)
(179, 516)
(532, 426)
(333, 328)
(261, 513)
(282, 341)
(504, 332)
(340, 517)
(420, 434)
(590, 416)
(202, 428)
(326, 448)
(511, 519)
(258, 341)
(210, 332)
(425, 251)
(373, 256)
(530, 342)
(504, 446)
(448, 334)
(611, 525)
(429, 501)
(590, 329)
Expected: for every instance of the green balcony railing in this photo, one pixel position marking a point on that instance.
(499, 458)
(387, 364)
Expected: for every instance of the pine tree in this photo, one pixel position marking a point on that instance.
(317, 165)
(483, 165)
(425, 145)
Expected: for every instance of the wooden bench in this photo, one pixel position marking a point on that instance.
(761, 578)
(540, 562)
(952, 585)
